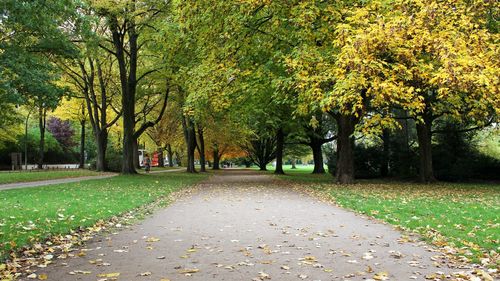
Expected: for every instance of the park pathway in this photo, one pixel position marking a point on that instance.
(243, 225)
(69, 180)
(50, 182)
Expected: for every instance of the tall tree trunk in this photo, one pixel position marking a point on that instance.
(424, 135)
(384, 168)
(128, 82)
(191, 149)
(201, 148)
(345, 148)
(42, 116)
(294, 163)
(81, 165)
(102, 144)
(216, 165)
(170, 156)
(190, 139)
(280, 141)
(317, 150)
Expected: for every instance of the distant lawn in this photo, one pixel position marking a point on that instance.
(31, 214)
(303, 173)
(466, 216)
(27, 176)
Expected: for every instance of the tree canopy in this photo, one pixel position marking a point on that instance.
(258, 79)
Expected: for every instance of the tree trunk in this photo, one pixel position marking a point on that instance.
(294, 162)
(201, 149)
(384, 168)
(128, 83)
(102, 144)
(170, 156)
(135, 153)
(345, 147)
(216, 165)
(280, 140)
(42, 116)
(81, 165)
(315, 145)
(190, 139)
(161, 161)
(262, 166)
(424, 135)
(178, 159)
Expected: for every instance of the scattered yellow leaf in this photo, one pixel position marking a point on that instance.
(188, 270)
(109, 275)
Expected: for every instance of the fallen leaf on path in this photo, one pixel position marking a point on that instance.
(264, 276)
(188, 270)
(285, 267)
(147, 273)
(109, 275)
(381, 276)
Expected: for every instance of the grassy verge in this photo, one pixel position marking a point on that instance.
(465, 216)
(13, 177)
(31, 214)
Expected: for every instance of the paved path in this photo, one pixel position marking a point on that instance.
(68, 180)
(164, 171)
(49, 182)
(243, 226)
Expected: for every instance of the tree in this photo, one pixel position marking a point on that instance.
(61, 130)
(32, 36)
(92, 78)
(153, 104)
(262, 150)
(406, 60)
(127, 21)
(167, 132)
(316, 131)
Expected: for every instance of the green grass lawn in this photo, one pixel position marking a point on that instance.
(32, 214)
(26, 176)
(463, 215)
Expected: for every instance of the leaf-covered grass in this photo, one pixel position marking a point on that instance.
(32, 214)
(27, 176)
(463, 215)
(303, 173)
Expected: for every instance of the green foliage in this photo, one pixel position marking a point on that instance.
(31, 37)
(54, 153)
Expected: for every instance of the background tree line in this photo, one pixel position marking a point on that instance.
(374, 88)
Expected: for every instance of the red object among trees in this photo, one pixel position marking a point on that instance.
(154, 159)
